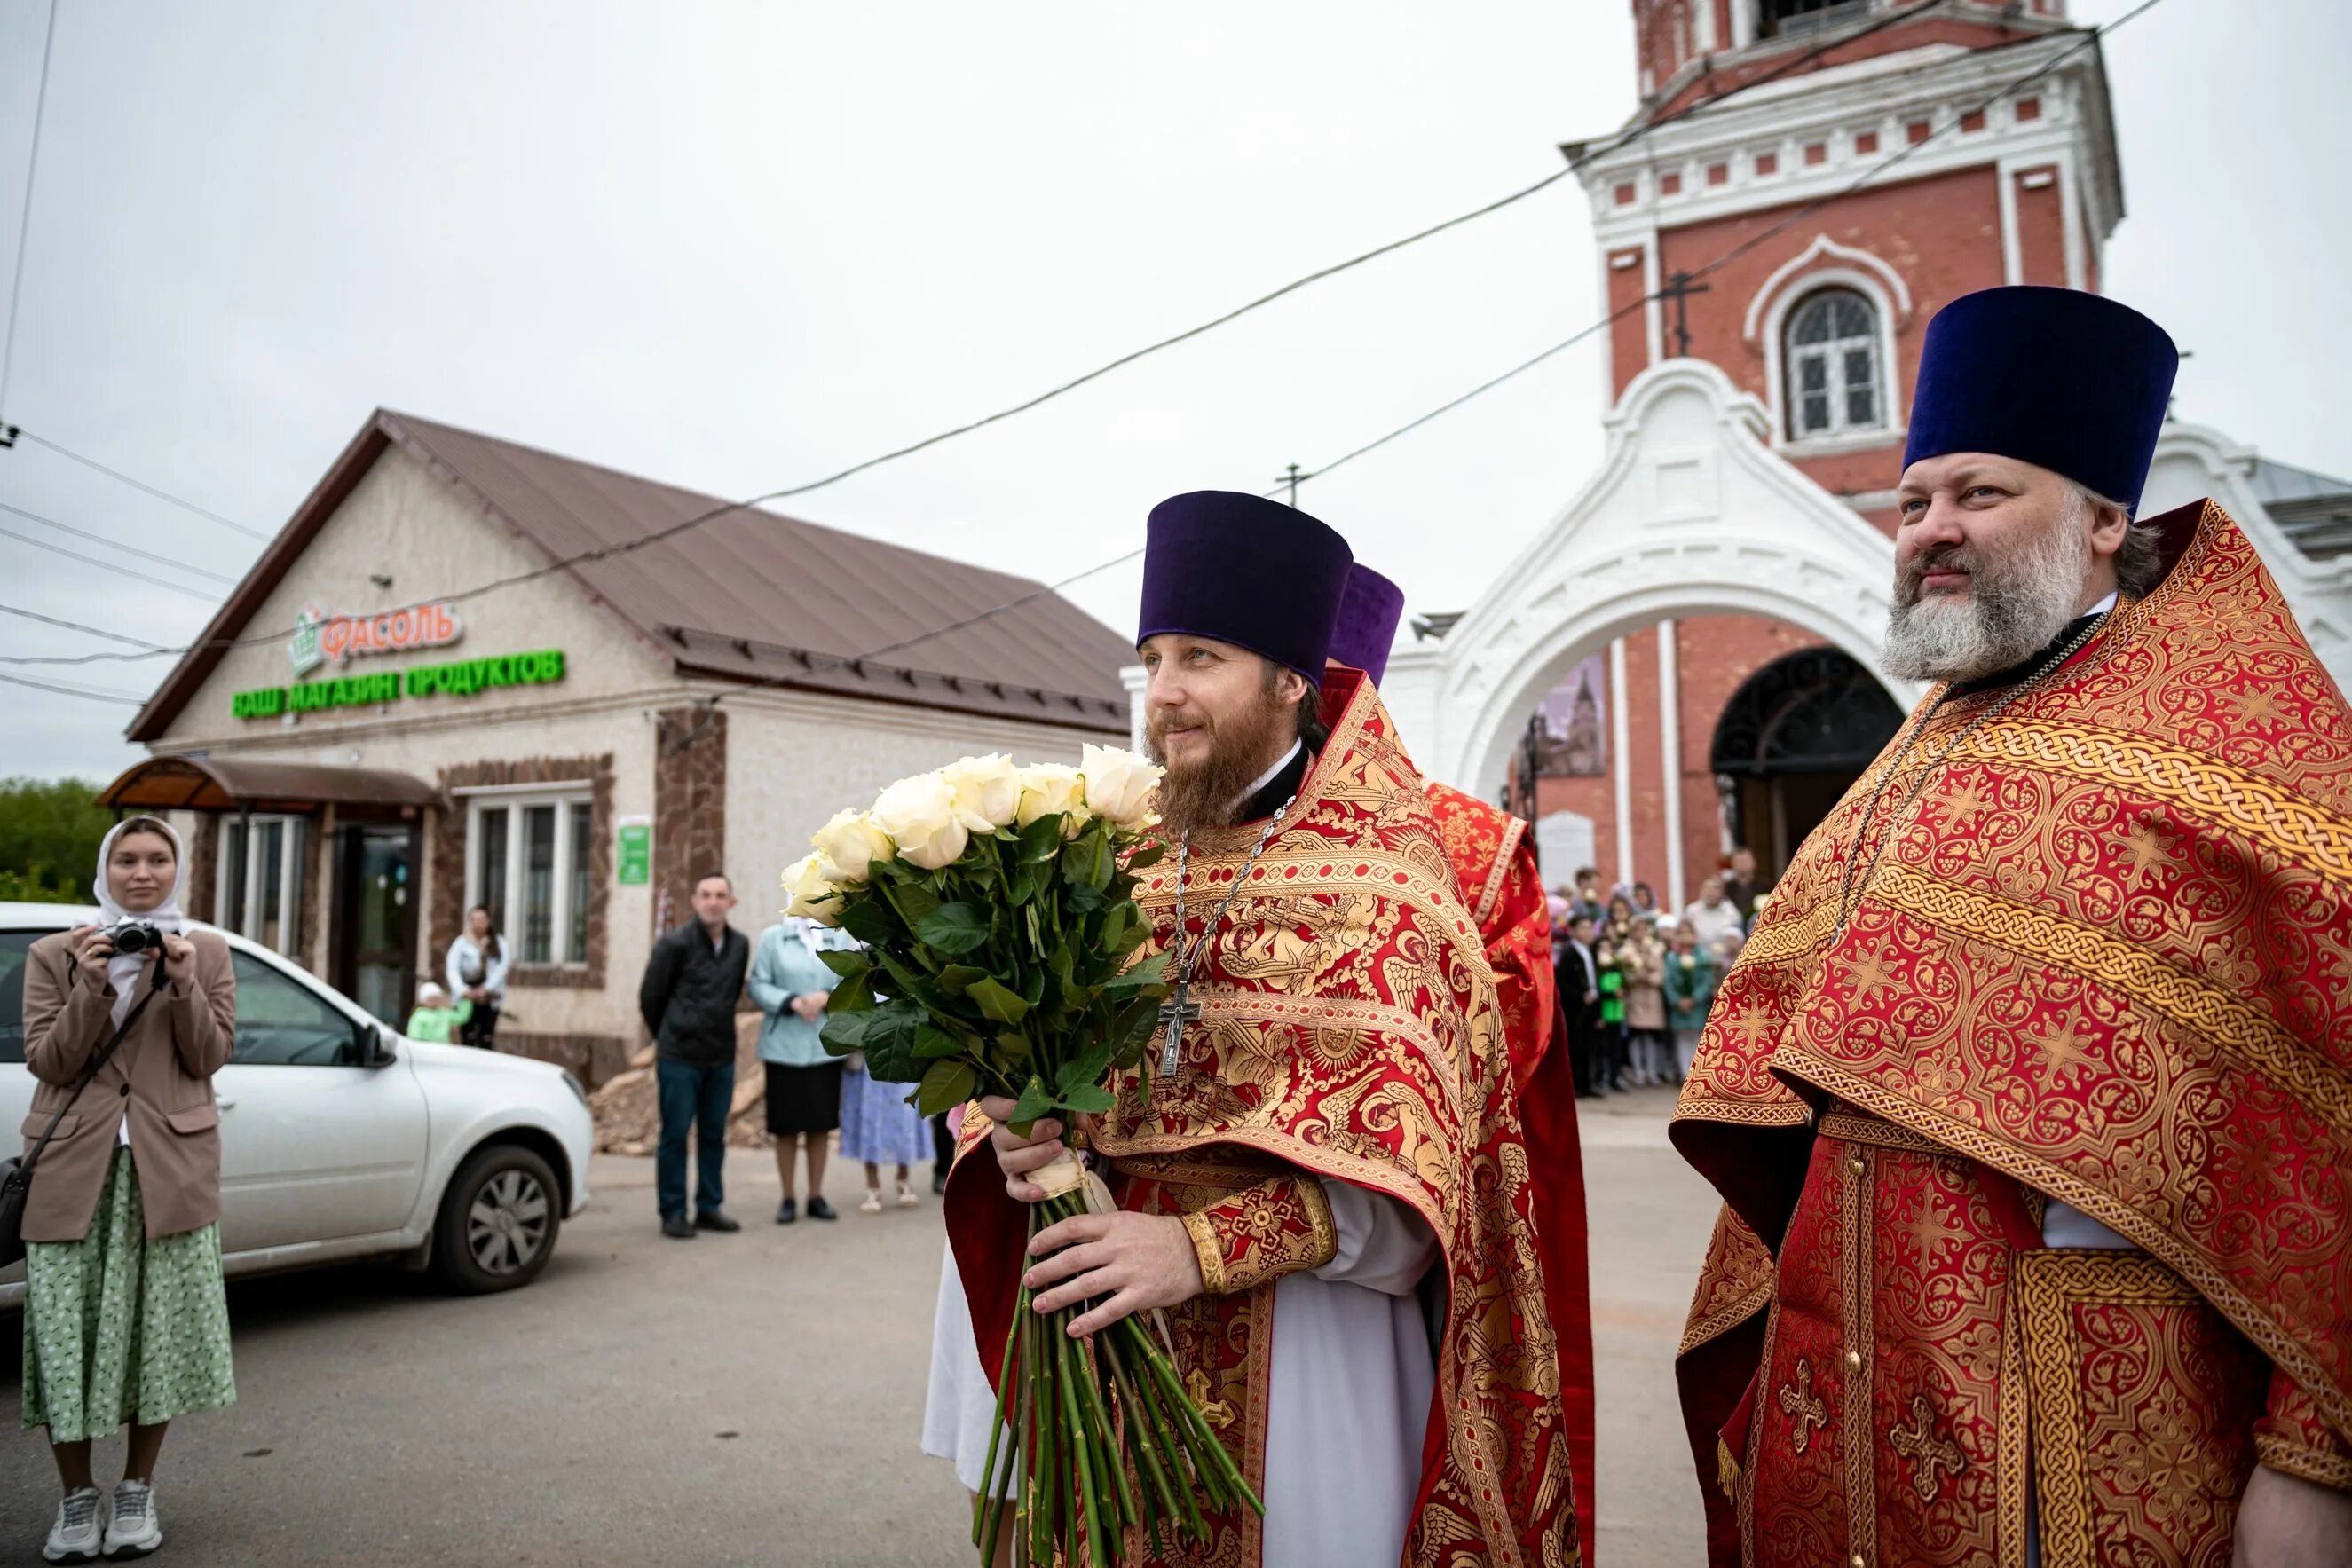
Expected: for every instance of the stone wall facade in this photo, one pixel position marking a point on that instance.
(689, 807)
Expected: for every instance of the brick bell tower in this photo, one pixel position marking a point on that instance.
(1822, 319)
(1770, 235)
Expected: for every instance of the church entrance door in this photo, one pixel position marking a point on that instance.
(1791, 740)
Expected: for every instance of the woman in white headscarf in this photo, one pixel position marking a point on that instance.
(125, 1317)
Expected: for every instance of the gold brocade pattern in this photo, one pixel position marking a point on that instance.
(2143, 1401)
(1280, 1226)
(2104, 952)
(1348, 1030)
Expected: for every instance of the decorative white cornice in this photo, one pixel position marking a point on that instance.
(1885, 95)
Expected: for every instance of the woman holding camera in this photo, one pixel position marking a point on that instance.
(125, 1317)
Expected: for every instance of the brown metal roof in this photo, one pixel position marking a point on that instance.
(750, 595)
(222, 784)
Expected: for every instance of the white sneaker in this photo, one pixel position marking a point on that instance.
(135, 1531)
(73, 1538)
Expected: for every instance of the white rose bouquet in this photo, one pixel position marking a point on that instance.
(996, 910)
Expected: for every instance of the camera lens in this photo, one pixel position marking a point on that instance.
(130, 938)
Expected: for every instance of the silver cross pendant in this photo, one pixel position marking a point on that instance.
(1174, 1013)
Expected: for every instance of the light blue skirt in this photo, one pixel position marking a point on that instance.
(878, 1125)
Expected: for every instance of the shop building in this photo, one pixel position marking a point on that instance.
(366, 743)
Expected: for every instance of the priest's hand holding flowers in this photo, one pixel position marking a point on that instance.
(1000, 934)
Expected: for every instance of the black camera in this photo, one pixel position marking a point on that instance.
(135, 937)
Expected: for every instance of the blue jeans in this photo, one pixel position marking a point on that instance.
(697, 1095)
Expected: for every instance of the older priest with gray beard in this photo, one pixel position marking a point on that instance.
(2028, 1097)
(1318, 1166)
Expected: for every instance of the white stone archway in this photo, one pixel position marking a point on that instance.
(2195, 461)
(1691, 513)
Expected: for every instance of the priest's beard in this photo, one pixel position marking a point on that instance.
(1209, 793)
(2016, 605)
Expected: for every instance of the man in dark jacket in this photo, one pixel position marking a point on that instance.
(688, 999)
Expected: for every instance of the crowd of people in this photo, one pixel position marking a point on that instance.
(1636, 981)
(688, 998)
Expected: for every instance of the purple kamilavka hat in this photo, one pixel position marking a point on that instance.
(1244, 569)
(1368, 613)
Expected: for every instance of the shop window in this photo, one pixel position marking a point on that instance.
(259, 893)
(1831, 354)
(528, 857)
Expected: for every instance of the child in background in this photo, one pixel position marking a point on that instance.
(1691, 980)
(435, 1018)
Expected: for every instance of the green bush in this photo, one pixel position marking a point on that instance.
(49, 834)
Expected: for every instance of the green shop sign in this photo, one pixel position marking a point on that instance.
(461, 678)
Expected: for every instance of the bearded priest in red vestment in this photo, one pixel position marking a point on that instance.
(1319, 1170)
(1502, 886)
(2031, 1097)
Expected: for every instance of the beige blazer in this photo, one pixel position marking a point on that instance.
(161, 1076)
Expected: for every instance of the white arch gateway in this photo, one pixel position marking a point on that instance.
(1691, 513)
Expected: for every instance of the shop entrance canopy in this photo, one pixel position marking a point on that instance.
(220, 784)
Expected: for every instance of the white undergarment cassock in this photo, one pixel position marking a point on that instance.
(1348, 1402)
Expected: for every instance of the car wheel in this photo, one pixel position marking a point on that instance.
(499, 1221)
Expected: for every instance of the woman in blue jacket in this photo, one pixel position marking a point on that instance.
(791, 985)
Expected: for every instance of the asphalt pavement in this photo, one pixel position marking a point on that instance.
(753, 1398)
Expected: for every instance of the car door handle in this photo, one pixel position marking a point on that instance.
(225, 1101)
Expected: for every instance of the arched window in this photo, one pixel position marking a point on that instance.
(1831, 350)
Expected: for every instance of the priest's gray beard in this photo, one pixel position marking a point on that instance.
(1209, 793)
(2016, 605)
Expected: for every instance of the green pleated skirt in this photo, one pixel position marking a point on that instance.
(120, 1328)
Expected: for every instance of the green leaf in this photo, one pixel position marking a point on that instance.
(872, 921)
(995, 1002)
(954, 929)
(844, 1032)
(1086, 1070)
(849, 965)
(852, 996)
(1042, 840)
(890, 1043)
(947, 1085)
(914, 901)
(1138, 976)
(1089, 1097)
(1150, 855)
(956, 977)
(1035, 1101)
(932, 1042)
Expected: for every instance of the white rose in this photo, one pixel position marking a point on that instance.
(849, 844)
(1050, 789)
(987, 791)
(809, 893)
(919, 815)
(1120, 785)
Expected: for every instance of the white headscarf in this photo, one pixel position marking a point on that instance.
(123, 969)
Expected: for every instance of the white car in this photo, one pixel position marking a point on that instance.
(343, 1139)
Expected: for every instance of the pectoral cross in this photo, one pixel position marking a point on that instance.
(1174, 1014)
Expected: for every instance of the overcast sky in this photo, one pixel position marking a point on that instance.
(735, 246)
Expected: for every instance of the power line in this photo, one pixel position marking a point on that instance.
(116, 544)
(185, 505)
(1744, 246)
(24, 222)
(91, 692)
(78, 627)
(106, 565)
(2089, 39)
(660, 536)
